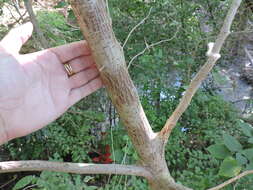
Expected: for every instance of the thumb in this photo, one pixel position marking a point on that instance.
(14, 40)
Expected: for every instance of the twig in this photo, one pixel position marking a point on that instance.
(77, 168)
(16, 8)
(213, 55)
(241, 32)
(231, 180)
(75, 28)
(150, 46)
(8, 182)
(241, 100)
(136, 26)
(234, 187)
(248, 55)
(30, 186)
(17, 21)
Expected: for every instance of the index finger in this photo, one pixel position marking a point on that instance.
(65, 52)
(70, 51)
(14, 40)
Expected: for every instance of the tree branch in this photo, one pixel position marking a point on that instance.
(96, 26)
(150, 46)
(213, 55)
(136, 26)
(231, 180)
(41, 37)
(77, 168)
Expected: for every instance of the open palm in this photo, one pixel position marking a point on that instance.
(35, 88)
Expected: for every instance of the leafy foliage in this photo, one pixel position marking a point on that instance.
(219, 151)
(56, 29)
(229, 167)
(237, 154)
(24, 182)
(161, 74)
(231, 143)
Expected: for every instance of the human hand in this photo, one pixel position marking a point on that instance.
(35, 88)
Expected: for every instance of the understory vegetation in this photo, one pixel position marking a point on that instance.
(199, 153)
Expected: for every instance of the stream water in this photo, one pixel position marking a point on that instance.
(236, 89)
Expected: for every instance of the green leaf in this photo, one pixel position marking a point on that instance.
(61, 4)
(249, 166)
(231, 143)
(160, 53)
(118, 155)
(91, 188)
(229, 167)
(250, 140)
(241, 159)
(219, 151)
(248, 153)
(24, 182)
(246, 128)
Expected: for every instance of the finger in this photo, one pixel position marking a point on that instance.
(79, 93)
(81, 63)
(70, 51)
(83, 77)
(14, 40)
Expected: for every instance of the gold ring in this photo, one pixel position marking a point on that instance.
(69, 69)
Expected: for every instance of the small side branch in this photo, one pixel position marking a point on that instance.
(77, 168)
(213, 55)
(151, 46)
(136, 26)
(8, 182)
(248, 55)
(231, 180)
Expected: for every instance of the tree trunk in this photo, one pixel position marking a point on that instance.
(96, 26)
(34, 21)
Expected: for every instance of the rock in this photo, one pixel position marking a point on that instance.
(247, 74)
